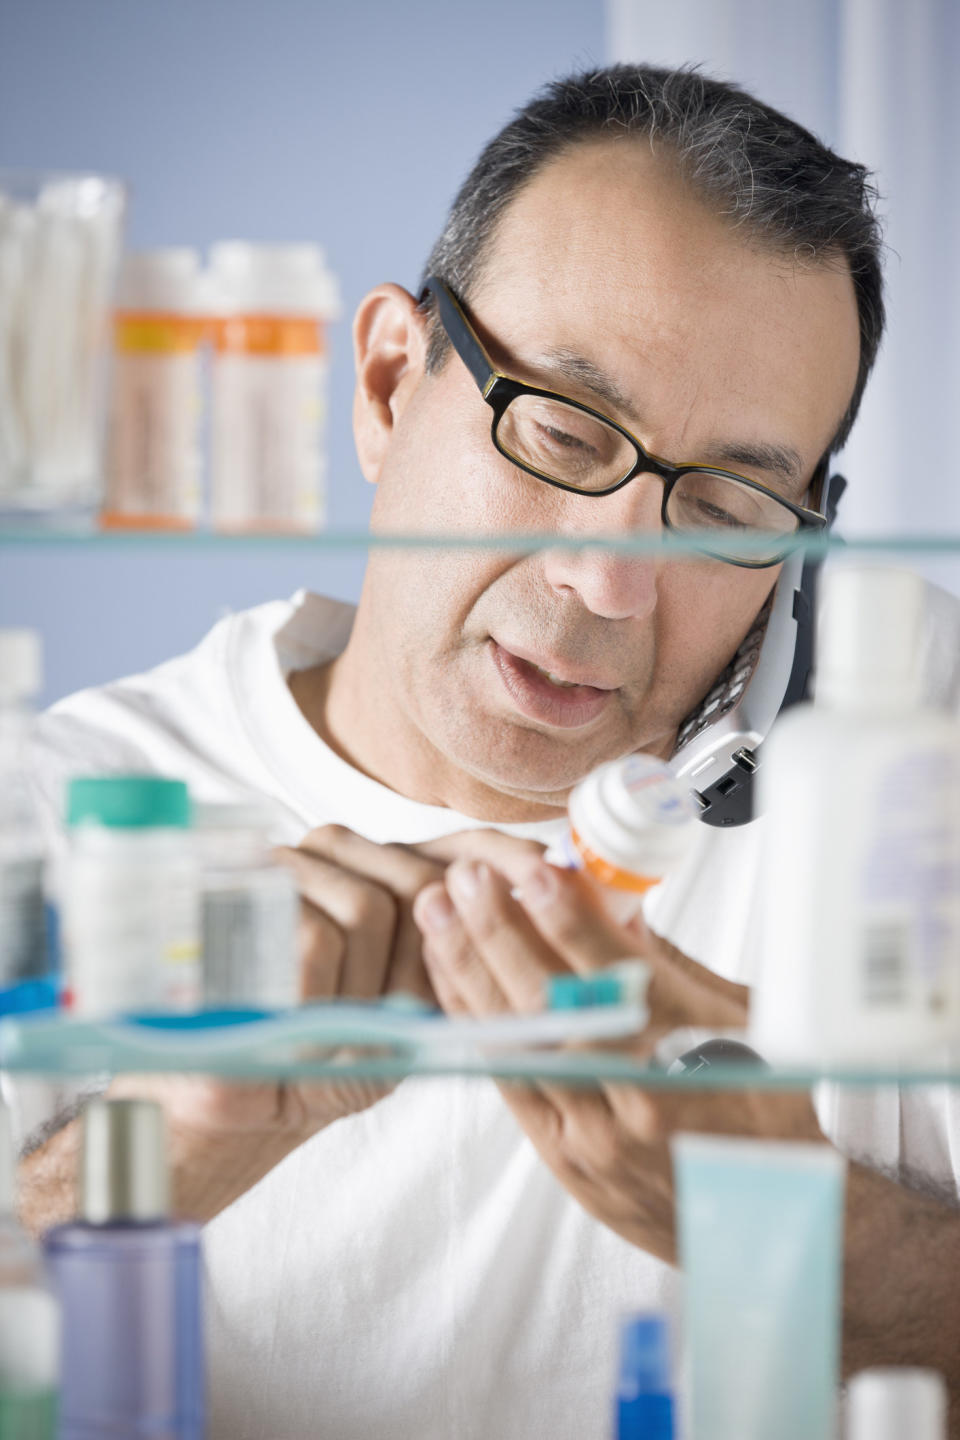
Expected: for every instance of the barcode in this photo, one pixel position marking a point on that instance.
(886, 953)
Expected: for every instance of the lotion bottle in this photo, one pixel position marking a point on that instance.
(860, 799)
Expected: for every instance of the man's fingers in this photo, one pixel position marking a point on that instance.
(364, 913)
(407, 972)
(509, 854)
(567, 914)
(401, 869)
(368, 890)
(453, 964)
(496, 935)
(321, 946)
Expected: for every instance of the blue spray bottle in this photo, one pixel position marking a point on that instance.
(644, 1389)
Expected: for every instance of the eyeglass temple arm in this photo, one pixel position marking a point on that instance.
(826, 491)
(461, 334)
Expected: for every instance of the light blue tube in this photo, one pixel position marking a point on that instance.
(760, 1231)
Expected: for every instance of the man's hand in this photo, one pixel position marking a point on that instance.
(487, 951)
(357, 940)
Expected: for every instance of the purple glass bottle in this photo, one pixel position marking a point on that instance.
(129, 1283)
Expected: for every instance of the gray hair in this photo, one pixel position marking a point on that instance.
(753, 165)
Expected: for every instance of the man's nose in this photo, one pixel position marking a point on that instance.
(611, 583)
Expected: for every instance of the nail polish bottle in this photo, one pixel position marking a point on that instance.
(128, 1279)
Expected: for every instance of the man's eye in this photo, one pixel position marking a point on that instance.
(714, 515)
(566, 440)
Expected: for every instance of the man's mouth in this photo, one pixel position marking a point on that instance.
(550, 693)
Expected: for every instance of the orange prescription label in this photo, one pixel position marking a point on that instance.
(156, 333)
(275, 335)
(612, 875)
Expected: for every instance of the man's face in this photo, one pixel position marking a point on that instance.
(605, 268)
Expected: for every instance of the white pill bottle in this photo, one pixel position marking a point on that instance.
(250, 910)
(153, 460)
(859, 794)
(131, 897)
(271, 305)
(631, 821)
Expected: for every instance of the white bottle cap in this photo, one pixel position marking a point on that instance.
(8, 1164)
(272, 279)
(869, 638)
(21, 664)
(897, 1404)
(635, 814)
(161, 280)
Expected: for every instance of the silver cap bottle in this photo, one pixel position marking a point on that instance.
(124, 1172)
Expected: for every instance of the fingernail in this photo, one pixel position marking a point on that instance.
(435, 912)
(465, 878)
(540, 887)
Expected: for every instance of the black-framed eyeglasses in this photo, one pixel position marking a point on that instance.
(577, 448)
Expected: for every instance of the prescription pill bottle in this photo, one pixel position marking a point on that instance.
(153, 456)
(268, 392)
(130, 896)
(249, 911)
(631, 820)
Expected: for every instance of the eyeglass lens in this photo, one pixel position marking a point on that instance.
(568, 445)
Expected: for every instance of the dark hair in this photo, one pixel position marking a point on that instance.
(753, 165)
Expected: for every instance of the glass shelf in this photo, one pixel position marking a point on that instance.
(646, 543)
(274, 1049)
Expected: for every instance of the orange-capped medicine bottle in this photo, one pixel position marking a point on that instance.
(268, 387)
(153, 453)
(631, 821)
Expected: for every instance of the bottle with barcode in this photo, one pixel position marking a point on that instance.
(249, 909)
(860, 796)
(26, 981)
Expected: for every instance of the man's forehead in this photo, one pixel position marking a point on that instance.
(600, 200)
(607, 273)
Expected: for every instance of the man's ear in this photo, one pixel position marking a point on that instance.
(389, 347)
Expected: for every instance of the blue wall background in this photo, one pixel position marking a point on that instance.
(350, 124)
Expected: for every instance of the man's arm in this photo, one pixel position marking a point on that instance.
(901, 1299)
(210, 1164)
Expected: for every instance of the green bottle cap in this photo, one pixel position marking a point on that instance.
(130, 802)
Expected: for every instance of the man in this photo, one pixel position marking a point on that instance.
(664, 252)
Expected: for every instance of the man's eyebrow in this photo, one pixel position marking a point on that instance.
(782, 459)
(777, 459)
(583, 372)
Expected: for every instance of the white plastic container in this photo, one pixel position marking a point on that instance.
(23, 927)
(897, 1404)
(271, 305)
(249, 911)
(860, 796)
(631, 820)
(131, 902)
(154, 463)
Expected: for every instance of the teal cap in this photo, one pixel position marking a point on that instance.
(130, 802)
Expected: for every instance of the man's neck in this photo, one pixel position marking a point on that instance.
(343, 701)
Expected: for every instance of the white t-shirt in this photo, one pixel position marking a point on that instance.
(414, 1271)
